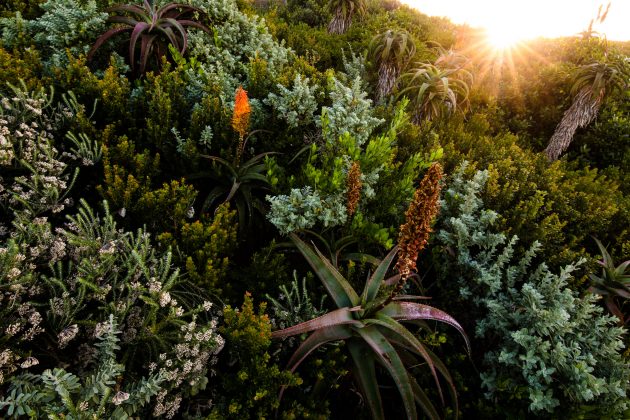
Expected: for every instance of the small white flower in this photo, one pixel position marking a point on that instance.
(120, 397)
(67, 335)
(30, 361)
(165, 299)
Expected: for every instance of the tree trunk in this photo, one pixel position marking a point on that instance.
(387, 75)
(339, 23)
(582, 112)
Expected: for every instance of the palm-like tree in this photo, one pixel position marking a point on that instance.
(343, 12)
(449, 59)
(390, 51)
(434, 91)
(592, 83)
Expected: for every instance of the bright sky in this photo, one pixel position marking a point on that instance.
(524, 19)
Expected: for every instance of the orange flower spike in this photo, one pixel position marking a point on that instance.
(414, 234)
(242, 111)
(353, 183)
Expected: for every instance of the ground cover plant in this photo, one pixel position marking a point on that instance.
(230, 209)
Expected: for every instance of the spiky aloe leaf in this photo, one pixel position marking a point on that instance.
(337, 317)
(137, 31)
(131, 22)
(166, 28)
(253, 176)
(374, 282)
(253, 161)
(337, 286)
(360, 256)
(614, 309)
(316, 339)
(185, 8)
(387, 356)
(392, 280)
(145, 48)
(131, 8)
(406, 336)
(440, 366)
(185, 22)
(404, 311)
(233, 190)
(224, 162)
(214, 195)
(172, 38)
(365, 374)
(614, 273)
(101, 39)
(421, 398)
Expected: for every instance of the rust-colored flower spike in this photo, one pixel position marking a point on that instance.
(242, 111)
(353, 184)
(414, 234)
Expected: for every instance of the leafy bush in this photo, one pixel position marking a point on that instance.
(59, 393)
(65, 25)
(65, 280)
(548, 348)
(250, 389)
(322, 201)
(557, 205)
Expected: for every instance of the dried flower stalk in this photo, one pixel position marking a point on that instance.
(414, 233)
(353, 183)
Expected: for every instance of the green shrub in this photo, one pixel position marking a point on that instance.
(558, 205)
(62, 394)
(250, 387)
(201, 246)
(548, 350)
(65, 25)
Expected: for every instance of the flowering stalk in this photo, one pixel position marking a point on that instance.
(353, 183)
(414, 234)
(240, 119)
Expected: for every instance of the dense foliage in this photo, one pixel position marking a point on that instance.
(365, 169)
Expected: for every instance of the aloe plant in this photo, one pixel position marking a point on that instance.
(244, 180)
(150, 26)
(614, 283)
(373, 334)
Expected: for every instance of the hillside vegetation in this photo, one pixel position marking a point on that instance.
(307, 209)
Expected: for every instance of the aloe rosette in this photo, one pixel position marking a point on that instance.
(149, 25)
(373, 334)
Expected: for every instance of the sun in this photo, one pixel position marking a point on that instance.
(501, 37)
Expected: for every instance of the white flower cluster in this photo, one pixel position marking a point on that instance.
(66, 335)
(188, 363)
(26, 142)
(6, 146)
